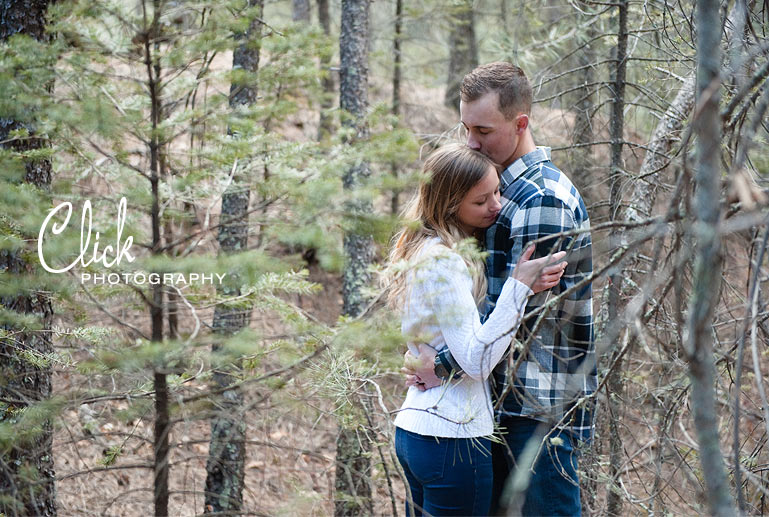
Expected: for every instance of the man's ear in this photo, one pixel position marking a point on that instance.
(521, 123)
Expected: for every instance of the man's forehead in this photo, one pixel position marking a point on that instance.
(482, 112)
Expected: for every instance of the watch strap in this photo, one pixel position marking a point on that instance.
(450, 368)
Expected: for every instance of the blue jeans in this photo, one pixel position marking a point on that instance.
(553, 486)
(447, 476)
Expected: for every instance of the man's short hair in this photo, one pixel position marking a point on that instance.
(508, 80)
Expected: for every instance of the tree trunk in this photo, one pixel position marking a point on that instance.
(615, 381)
(396, 105)
(27, 467)
(463, 51)
(582, 165)
(162, 426)
(325, 127)
(582, 136)
(707, 265)
(503, 8)
(353, 471)
(354, 100)
(227, 450)
(655, 160)
(397, 40)
(300, 10)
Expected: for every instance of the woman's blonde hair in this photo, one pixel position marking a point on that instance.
(452, 170)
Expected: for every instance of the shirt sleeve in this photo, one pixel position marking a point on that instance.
(476, 347)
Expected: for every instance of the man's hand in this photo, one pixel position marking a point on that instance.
(420, 370)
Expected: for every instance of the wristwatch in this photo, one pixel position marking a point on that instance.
(440, 370)
(444, 366)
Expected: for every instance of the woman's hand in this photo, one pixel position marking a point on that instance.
(542, 273)
(420, 370)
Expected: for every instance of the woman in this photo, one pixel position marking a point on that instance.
(442, 435)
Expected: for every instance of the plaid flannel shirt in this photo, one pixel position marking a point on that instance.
(559, 366)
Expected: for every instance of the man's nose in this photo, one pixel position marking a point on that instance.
(473, 143)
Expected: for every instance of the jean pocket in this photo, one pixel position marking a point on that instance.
(427, 457)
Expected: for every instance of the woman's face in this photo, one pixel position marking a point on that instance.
(481, 205)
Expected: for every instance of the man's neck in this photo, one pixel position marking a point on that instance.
(525, 146)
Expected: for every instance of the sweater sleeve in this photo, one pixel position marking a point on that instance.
(476, 347)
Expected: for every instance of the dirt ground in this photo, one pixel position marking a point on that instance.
(290, 451)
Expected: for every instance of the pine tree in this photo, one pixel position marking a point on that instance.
(301, 10)
(227, 450)
(353, 471)
(463, 49)
(616, 176)
(707, 268)
(26, 469)
(325, 127)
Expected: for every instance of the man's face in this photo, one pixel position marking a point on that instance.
(487, 129)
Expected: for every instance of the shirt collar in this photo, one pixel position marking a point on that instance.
(522, 164)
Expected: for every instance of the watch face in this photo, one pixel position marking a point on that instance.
(439, 369)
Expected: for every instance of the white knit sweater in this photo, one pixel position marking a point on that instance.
(440, 310)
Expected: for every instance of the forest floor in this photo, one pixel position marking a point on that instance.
(290, 464)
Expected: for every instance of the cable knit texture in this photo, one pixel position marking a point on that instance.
(441, 311)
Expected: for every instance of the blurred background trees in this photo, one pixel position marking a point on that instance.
(273, 143)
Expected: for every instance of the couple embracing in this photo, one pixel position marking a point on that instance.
(465, 377)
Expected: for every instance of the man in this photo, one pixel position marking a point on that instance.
(544, 397)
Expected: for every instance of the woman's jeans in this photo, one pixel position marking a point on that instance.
(447, 476)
